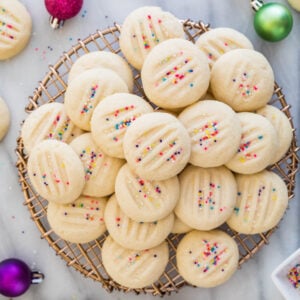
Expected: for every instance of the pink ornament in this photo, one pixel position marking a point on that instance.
(61, 10)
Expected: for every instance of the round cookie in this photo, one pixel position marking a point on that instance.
(215, 42)
(258, 147)
(262, 199)
(55, 171)
(207, 197)
(15, 28)
(143, 29)
(157, 146)
(243, 79)
(215, 131)
(295, 4)
(87, 90)
(132, 268)
(282, 126)
(102, 59)
(179, 227)
(144, 200)
(111, 118)
(48, 121)
(132, 234)
(4, 118)
(79, 222)
(175, 74)
(100, 169)
(207, 259)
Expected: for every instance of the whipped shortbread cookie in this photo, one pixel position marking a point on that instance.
(100, 169)
(102, 59)
(15, 28)
(48, 121)
(282, 126)
(79, 222)
(258, 147)
(175, 74)
(215, 42)
(135, 235)
(56, 172)
(207, 259)
(215, 131)
(134, 268)
(179, 227)
(207, 197)
(87, 90)
(143, 29)
(262, 199)
(243, 79)
(4, 118)
(111, 118)
(143, 200)
(157, 146)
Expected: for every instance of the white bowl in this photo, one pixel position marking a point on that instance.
(280, 277)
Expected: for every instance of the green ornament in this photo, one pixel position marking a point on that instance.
(273, 22)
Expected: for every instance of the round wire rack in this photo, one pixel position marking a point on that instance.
(86, 258)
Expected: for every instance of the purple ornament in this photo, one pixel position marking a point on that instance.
(16, 277)
(61, 10)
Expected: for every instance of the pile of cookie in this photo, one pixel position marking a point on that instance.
(194, 163)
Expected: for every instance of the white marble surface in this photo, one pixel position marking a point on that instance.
(20, 75)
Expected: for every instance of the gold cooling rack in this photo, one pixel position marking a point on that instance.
(86, 258)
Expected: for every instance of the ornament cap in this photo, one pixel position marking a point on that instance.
(37, 277)
(56, 23)
(256, 4)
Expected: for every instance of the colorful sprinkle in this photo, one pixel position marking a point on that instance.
(207, 200)
(147, 191)
(210, 255)
(57, 130)
(294, 276)
(208, 134)
(88, 105)
(244, 88)
(245, 149)
(89, 157)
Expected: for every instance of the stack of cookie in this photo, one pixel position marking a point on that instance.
(193, 164)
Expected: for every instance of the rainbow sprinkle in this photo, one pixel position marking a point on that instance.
(4, 26)
(88, 105)
(244, 88)
(209, 256)
(57, 132)
(244, 150)
(208, 200)
(208, 133)
(174, 74)
(294, 276)
(89, 157)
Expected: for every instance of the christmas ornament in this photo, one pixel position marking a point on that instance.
(61, 10)
(16, 277)
(272, 21)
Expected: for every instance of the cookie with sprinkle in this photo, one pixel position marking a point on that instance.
(143, 29)
(87, 90)
(215, 131)
(132, 234)
(55, 171)
(207, 197)
(243, 79)
(207, 258)
(111, 118)
(144, 200)
(100, 169)
(258, 146)
(262, 199)
(80, 221)
(134, 268)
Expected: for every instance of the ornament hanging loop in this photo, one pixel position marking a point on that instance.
(256, 4)
(37, 277)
